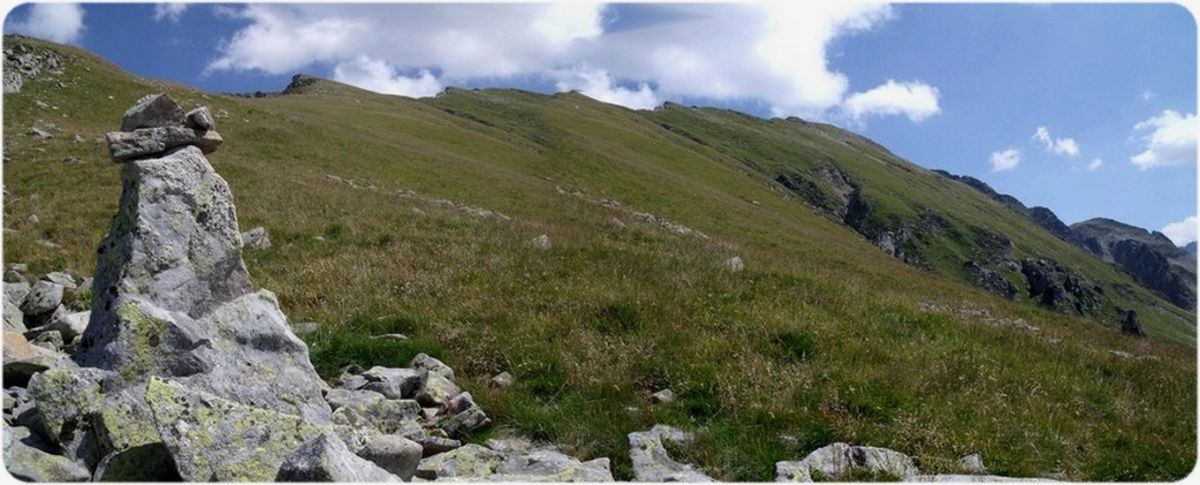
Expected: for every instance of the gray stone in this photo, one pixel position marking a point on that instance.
(40, 134)
(399, 337)
(14, 320)
(398, 455)
(305, 327)
(23, 360)
(213, 439)
(393, 383)
(11, 276)
(326, 459)
(665, 396)
(62, 279)
(201, 119)
(436, 390)
(153, 111)
(256, 238)
(465, 417)
(424, 362)
(735, 264)
(652, 463)
(12, 81)
(149, 142)
(542, 242)
(839, 459)
(386, 415)
(503, 379)
(68, 400)
(972, 464)
(972, 479)
(70, 325)
(477, 463)
(173, 298)
(26, 459)
(48, 339)
(43, 298)
(432, 445)
(359, 400)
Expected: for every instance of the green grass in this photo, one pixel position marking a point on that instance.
(821, 339)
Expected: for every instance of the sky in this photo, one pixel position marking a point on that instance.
(1088, 109)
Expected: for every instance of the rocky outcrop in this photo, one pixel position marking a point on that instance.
(840, 460)
(1131, 326)
(1149, 257)
(1054, 286)
(25, 61)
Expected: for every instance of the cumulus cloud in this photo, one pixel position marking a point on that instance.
(1095, 164)
(378, 76)
(1181, 232)
(170, 12)
(599, 85)
(770, 53)
(58, 22)
(1059, 146)
(916, 100)
(1005, 160)
(1167, 139)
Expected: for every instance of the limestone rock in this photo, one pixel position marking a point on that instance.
(396, 454)
(652, 463)
(542, 242)
(424, 362)
(838, 459)
(27, 459)
(256, 238)
(153, 111)
(326, 459)
(215, 439)
(144, 142)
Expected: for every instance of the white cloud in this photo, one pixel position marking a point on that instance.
(1060, 146)
(1005, 160)
(770, 53)
(378, 76)
(171, 12)
(916, 100)
(1095, 164)
(1147, 95)
(1167, 139)
(600, 86)
(58, 22)
(1181, 232)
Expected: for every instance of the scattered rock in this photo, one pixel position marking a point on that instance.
(394, 383)
(651, 463)
(465, 417)
(201, 119)
(542, 242)
(256, 238)
(839, 459)
(32, 219)
(43, 298)
(972, 464)
(735, 264)
(424, 362)
(397, 455)
(665, 396)
(26, 459)
(326, 459)
(40, 134)
(399, 337)
(1130, 325)
(503, 379)
(477, 463)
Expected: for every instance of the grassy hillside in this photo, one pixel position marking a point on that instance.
(416, 216)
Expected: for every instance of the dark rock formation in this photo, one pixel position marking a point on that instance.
(1056, 287)
(1130, 325)
(1149, 257)
(990, 280)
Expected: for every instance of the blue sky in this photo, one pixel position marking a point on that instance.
(1086, 109)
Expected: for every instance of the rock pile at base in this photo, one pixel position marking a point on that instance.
(841, 461)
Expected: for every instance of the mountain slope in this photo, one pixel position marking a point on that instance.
(416, 216)
(1149, 257)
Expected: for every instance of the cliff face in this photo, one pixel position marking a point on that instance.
(1150, 257)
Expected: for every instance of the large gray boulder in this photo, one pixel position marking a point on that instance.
(326, 459)
(393, 383)
(838, 459)
(424, 362)
(436, 390)
(14, 319)
(216, 439)
(152, 111)
(43, 298)
(652, 463)
(172, 297)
